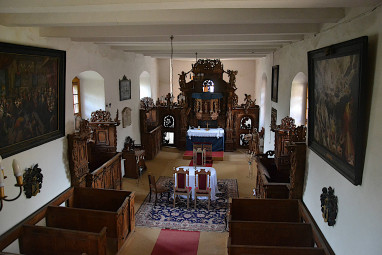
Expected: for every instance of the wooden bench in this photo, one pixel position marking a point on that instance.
(273, 250)
(273, 226)
(271, 233)
(271, 210)
(88, 210)
(47, 240)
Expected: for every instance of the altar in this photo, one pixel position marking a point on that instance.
(214, 136)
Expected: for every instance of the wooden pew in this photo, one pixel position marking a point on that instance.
(274, 226)
(46, 241)
(271, 233)
(273, 250)
(89, 210)
(273, 210)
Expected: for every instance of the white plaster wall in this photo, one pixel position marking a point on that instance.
(164, 78)
(358, 229)
(245, 78)
(52, 156)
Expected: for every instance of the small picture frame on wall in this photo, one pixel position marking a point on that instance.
(124, 89)
(275, 83)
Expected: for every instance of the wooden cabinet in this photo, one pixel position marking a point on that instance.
(94, 162)
(270, 183)
(134, 163)
(283, 176)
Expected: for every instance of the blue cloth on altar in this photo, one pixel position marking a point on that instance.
(217, 143)
(207, 95)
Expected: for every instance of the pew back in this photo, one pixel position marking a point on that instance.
(271, 233)
(46, 241)
(272, 210)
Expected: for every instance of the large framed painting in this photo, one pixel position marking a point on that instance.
(275, 83)
(124, 89)
(32, 97)
(337, 106)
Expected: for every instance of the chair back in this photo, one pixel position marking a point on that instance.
(202, 179)
(152, 183)
(181, 179)
(198, 157)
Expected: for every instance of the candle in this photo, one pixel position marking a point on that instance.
(1, 159)
(1, 179)
(16, 168)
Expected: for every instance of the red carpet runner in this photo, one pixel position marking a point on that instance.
(174, 242)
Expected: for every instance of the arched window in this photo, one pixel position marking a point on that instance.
(144, 85)
(298, 99)
(76, 96)
(208, 86)
(246, 123)
(92, 96)
(169, 121)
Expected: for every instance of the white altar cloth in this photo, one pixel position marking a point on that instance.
(214, 179)
(203, 132)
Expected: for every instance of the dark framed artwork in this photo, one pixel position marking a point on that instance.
(337, 106)
(124, 89)
(273, 119)
(32, 97)
(275, 83)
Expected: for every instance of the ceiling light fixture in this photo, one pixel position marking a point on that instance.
(171, 66)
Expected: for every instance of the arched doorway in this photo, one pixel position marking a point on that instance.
(144, 85)
(298, 98)
(91, 94)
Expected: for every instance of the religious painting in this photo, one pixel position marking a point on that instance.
(275, 83)
(124, 89)
(32, 97)
(337, 106)
(273, 119)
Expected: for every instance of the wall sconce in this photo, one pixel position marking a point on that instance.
(19, 182)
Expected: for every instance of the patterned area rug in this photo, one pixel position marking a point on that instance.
(164, 215)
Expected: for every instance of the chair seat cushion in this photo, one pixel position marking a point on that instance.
(203, 191)
(187, 189)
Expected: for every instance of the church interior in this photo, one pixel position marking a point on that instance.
(190, 127)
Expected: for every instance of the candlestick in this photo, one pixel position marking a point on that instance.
(16, 168)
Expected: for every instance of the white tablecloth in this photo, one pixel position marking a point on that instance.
(212, 132)
(214, 179)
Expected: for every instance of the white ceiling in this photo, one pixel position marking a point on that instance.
(212, 28)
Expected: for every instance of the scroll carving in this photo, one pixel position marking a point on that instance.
(100, 116)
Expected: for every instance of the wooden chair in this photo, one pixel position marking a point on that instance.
(157, 189)
(198, 157)
(202, 185)
(208, 153)
(181, 184)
